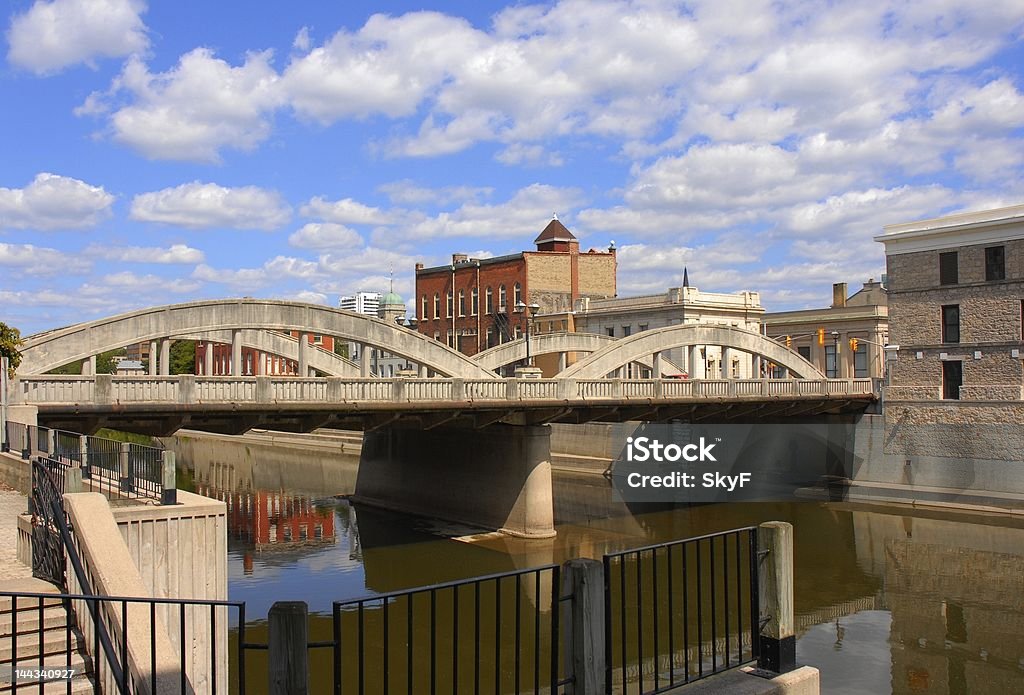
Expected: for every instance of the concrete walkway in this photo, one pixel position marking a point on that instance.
(12, 503)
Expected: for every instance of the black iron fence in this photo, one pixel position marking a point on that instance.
(120, 470)
(678, 612)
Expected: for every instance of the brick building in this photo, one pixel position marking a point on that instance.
(956, 303)
(469, 304)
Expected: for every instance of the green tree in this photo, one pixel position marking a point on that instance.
(105, 363)
(183, 357)
(340, 348)
(10, 341)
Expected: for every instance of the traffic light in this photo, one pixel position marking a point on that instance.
(789, 342)
(821, 336)
(853, 345)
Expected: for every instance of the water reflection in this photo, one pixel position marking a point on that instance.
(887, 600)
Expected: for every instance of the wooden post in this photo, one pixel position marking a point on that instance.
(289, 664)
(775, 581)
(584, 618)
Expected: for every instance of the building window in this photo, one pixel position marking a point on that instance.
(948, 268)
(627, 331)
(951, 323)
(474, 301)
(831, 368)
(952, 379)
(611, 332)
(995, 263)
(318, 339)
(449, 309)
(804, 351)
(489, 301)
(490, 338)
(423, 313)
(437, 305)
(642, 327)
(451, 337)
(462, 302)
(437, 336)
(502, 298)
(860, 362)
(517, 294)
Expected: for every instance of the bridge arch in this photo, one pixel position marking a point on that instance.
(550, 343)
(46, 351)
(282, 345)
(641, 346)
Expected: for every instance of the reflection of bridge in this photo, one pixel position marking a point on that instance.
(425, 436)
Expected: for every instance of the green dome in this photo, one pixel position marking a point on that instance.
(391, 298)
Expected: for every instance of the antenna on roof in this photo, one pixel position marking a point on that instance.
(392, 290)
(554, 215)
(686, 278)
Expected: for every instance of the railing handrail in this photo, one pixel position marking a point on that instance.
(681, 541)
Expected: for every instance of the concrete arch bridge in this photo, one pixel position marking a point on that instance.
(243, 320)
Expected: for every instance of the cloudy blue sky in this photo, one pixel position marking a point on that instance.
(161, 153)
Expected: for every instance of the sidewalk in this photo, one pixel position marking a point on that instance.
(12, 503)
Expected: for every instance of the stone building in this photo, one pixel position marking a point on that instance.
(621, 317)
(953, 407)
(820, 335)
(469, 304)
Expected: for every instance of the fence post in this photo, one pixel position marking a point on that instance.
(124, 461)
(289, 666)
(777, 638)
(584, 626)
(72, 480)
(168, 478)
(83, 453)
(26, 446)
(51, 443)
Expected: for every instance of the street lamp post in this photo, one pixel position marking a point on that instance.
(521, 308)
(835, 357)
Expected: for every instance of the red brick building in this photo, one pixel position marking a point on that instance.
(253, 360)
(469, 304)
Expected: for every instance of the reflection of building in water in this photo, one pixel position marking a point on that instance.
(956, 595)
(267, 518)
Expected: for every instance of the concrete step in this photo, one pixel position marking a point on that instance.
(54, 642)
(79, 685)
(29, 619)
(28, 586)
(81, 664)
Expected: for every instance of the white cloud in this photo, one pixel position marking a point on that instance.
(50, 36)
(325, 235)
(35, 260)
(344, 211)
(195, 109)
(302, 40)
(518, 153)
(206, 205)
(174, 254)
(307, 296)
(408, 192)
(54, 202)
(137, 287)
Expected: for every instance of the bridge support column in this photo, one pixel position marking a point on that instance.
(423, 371)
(755, 367)
(691, 366)
(165, 357)
(152, 358)
(89, 366)
(236, 353)
(562, 360)
(303, 354)
(208, 360)
(442, 473)
(726, 363)
(364, 360)
(656, 365)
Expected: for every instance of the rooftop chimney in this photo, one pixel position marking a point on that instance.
(838, 295)
(460, 258)
(419, 266)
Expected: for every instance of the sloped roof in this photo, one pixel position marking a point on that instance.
(555, 231)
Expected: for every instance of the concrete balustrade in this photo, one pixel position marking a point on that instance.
(105, 389)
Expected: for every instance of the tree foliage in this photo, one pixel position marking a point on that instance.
(10, 341)
(183, 357)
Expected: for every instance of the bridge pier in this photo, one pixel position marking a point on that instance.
(497, 477)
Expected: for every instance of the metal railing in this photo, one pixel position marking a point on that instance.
(679, 612)
(119, 470)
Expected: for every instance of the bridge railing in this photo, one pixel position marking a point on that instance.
(188, 389)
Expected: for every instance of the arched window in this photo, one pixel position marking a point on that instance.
(474, 301)
(462, 302)
(423, 313)
(448, 305)
(517, 294)
(437, 305)
(489, 301)
(502, 298)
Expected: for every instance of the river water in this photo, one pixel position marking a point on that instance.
(888, 599)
